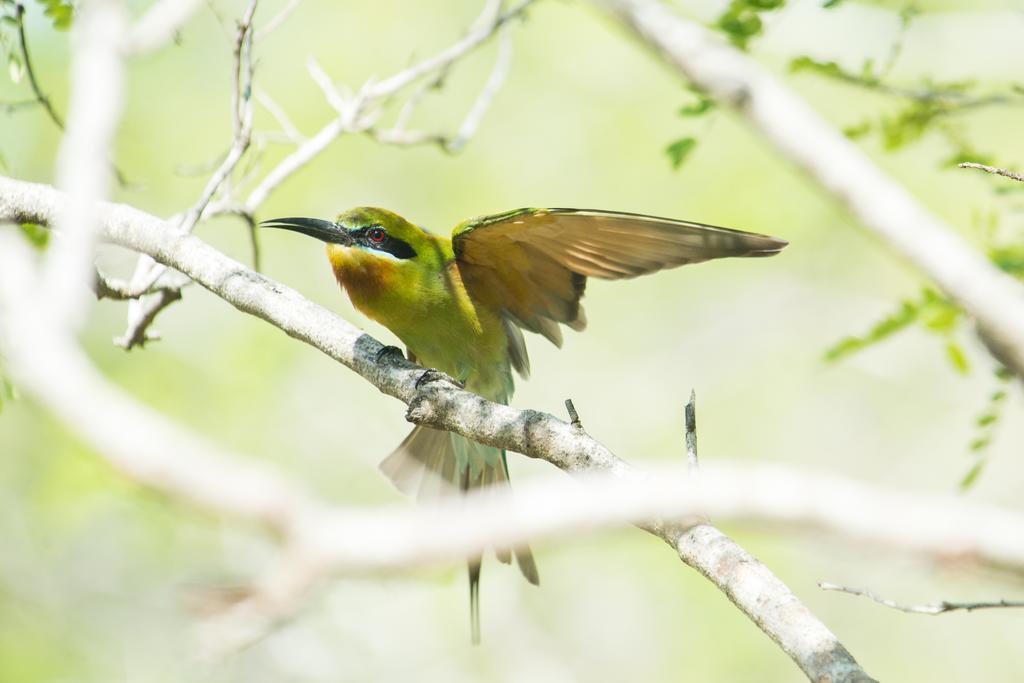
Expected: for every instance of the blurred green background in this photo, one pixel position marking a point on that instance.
(96, 573)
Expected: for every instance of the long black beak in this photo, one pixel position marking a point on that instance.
(326, 231)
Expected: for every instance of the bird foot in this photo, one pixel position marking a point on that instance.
(431, 375)
(389, 352)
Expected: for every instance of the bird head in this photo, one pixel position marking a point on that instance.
(368, 244)
(377, 233)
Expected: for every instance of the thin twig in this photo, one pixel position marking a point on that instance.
(139, 333)
(691, 431)
(442, 59)
(241, 116)
(277, 20)
(995, 170)
(471, 123)
(41, 97)
(932, 608)
(574, 417)
(281, 117)
(121, 290)
(142, 314)
(413, 101)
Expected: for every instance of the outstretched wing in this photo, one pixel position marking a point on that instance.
(533, 263)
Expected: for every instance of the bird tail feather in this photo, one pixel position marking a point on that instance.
(430, 463)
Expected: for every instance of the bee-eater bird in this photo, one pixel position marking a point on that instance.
(460, 305)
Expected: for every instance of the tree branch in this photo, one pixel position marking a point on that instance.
(439, 404)
(992, 298)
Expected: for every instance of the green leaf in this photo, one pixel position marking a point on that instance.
(957, 357)
(742, 21)
(857, 130)
(1009, 259)
(829, 4)
(60, 12)
(962, 154)
(37, 235)
(679, 150)
(805, 63)
(702, 106)
(972, 475)
(891, 324)
(910, 124)
(938, 313)
(740, 26)
(7, 391)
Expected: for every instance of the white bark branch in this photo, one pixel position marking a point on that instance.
(992, 298)
(747, 582)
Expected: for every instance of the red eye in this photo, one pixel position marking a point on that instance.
(376, 235)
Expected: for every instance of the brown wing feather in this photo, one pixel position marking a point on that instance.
(533, 263)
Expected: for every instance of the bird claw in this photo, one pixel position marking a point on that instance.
(386, 351)
(431, 375)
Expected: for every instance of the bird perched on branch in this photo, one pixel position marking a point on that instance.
(460, 305)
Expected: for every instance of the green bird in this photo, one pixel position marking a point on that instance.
(460, 305)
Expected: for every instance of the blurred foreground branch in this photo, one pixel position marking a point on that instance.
(188, 467)
(992, 298)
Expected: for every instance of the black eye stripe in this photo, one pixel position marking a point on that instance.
(391, 245)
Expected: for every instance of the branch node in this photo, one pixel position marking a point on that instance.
(574, 417)
(691, 431)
